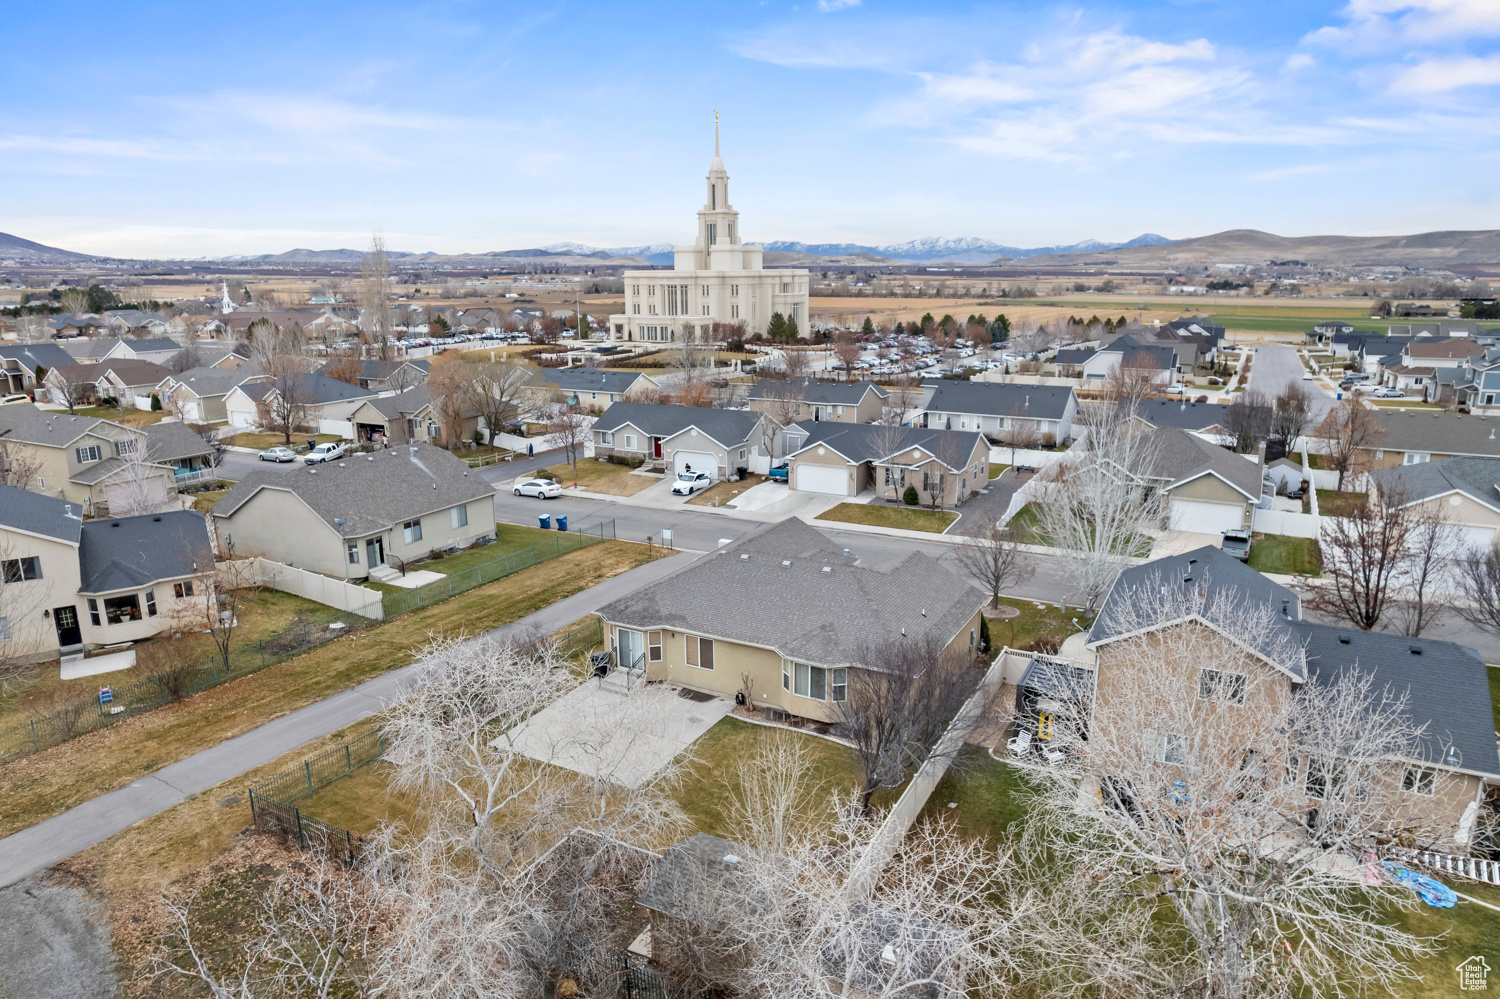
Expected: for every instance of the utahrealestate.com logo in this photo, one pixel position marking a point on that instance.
(1473, 975)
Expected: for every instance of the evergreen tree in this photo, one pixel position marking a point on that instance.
(926, 322)
(900, 329)
(910, 497)
(999, 329)
(155, 403)
(791, 331)
(868, 329)
(776, 328)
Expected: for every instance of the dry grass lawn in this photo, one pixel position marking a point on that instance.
(602, 477)
(907, 518)
(262, 441)
(130, 417)
(48, 783)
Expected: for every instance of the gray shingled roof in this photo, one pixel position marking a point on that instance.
(132, 552)
(1442, 433)
(24, 422)
(38, 514)
(860, 442)
(369, 492)
(779, 595)
(686, 869)
(402, 403)
(813, 391)
(1212, 573)
(206, 382)
(590, 379)
(726, 426)
(1035, 402)
(48, 355)
(151, 344)
(1180, 413)
(131, 371)
(1478, 477)
(170, 441)
(315, 388)
(1180, 457)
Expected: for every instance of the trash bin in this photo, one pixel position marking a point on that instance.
(562, 522)
(544, 521)
(742, 471)
(311, 443)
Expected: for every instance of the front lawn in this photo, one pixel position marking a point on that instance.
(988, 795)
(1289, 556)
(259, 442)
(204, 502)
(907, 518)
(508, 538)
(1332, 503)
(720, 493)
(130, 417)
(602, 477)
(1024, 528)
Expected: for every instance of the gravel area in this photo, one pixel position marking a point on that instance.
(54, 943)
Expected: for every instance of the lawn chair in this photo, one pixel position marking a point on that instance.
(1019, 745)
(1053, 754)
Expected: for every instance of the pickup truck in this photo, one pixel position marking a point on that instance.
(1236, 543)
(779, 473)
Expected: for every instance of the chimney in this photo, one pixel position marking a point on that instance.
(1261, 451)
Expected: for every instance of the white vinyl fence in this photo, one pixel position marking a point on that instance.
(1292, 525)
(337, 428)
(1001, 455)
(323, 589)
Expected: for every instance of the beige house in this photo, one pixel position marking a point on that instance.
(39, 603)
(796, 400)
(324, 398)
(783, 613)
(80, 459)
(1434, 795)
(408, 417)
(686, 438)
(845, 459)
(348, 518)
(1209, 489)
(1462, 490)
(120, 379)
(197, 394)
(19, 363)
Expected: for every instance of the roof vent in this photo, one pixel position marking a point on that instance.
(744, 557)
(1343, 639)
(1187, 579)
(1453, 757)
(786, 562)
(156, 520)
(924, 611)
(1286, 609)
(827, 568)
(1416, 650)
(312, 471)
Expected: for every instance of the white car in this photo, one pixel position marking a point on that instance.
(1175, 389)
(1389, 393)
(1307, 376)
(690, 482)
(540, 488)
(325, 452)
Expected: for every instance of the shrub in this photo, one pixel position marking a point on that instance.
(628, 462)
(910, 497)
(984, 633)
(155, 403)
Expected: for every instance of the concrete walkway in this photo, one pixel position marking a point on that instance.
(61, 836)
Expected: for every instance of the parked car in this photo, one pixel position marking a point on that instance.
(325, 452)
(780, 473)
(690, 482)
(1236, 543)
(1175, 389)
(1307, 376)
(279, 453)
(540, 488)
(12, 400)
(1389, 393)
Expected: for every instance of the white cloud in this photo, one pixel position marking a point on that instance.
(1437, 76)
(1375, 23)
(1298, 61)
(832, 5)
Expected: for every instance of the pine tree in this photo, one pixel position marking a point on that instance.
(910, 497)
(791, 331)
(776, 328)
(868, 329)
(900, 329)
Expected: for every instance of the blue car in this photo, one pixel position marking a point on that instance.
(780, 473)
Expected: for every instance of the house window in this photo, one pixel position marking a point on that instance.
(181, 590)
(411, 531)
(88, 454)
(605, 437)
(150, 603)
(127, 446)
(4, 629)
(734, 312)
(1218, 685)
(353, 549)
(653, 646)
(630, 442)
(838, 686)
(1416, 458)
(19, 569)
(459, 516)
(93, 612)
(700, 652)
(432, 428)
(1418, 780)
(1173, 749)
(118, 610)
(743, 452)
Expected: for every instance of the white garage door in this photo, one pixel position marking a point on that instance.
(822, 479)
(699, 461)
(1206, 518)
(237, 418)
(1475, 537)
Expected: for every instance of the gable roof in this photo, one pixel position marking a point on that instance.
(403, 403)
(208, 382)
(725, 426)
(1181, 414)
(1456, 347)
(1477, 477)
(783, 599)
(37, 514)
(168, 441)
(1444, 433)
(1037, 402)
(377, 369)
(861, 442)
(810, 390)
(149, 344)
(132, 552)
(591, 379)
(687, 869)
(369, 492)
(1181, 457)
(130, 371)
(25, 422)
(317, 389)
(30, 355)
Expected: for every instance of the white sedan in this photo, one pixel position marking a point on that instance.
(690, 482)
(540, 488)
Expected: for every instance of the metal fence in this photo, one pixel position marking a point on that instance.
(581, 637)
(271, 807)
(455, 583)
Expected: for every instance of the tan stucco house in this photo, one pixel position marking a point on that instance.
(79, 459)
(844, 459)
(686, 438)
(792, 400)
(1462, 490)
(784, 613)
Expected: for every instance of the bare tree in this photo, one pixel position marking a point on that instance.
(1350, 431)
(344, 365)
(1209, 855)
(847, 349)
(30, 328)
(1248, 418)
(71, 390)
(692, 358)
(450, 387)
(898, 699)
(190, 356)
(286, 405)
(1366, 553)
(140, 485)
(1428, 576)
(992, 556)
(1097, 506)
(20, 464)
(74, 300)
(497, 392)
(1478, 573)
(377, 327)
(1020, 434)
(1291, 418)
(1136, 377)
(570, 429)
(217, 588)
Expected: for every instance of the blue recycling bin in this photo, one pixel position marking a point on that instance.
(562, 522)
(544, 521)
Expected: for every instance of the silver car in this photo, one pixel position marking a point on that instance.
(279, 453)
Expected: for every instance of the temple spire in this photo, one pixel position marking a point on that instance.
(716, 132)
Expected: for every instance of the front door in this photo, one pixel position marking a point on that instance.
(69, 633)
(656, 447)
(632, 648)
(374, 553)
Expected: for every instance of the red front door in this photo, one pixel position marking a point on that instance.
(656, 447)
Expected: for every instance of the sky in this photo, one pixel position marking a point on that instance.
(160, 129)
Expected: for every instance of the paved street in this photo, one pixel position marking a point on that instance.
(1276, 366)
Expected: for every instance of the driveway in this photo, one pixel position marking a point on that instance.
(988, 507)
(623, 736)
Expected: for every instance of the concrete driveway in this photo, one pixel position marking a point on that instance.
(607, 732)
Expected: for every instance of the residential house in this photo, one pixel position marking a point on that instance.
(391, 376)
(1474, 385)
(844, 459)
(197, 394)
(1133, 353)
(598, 388)
(1462, 490)
(19, 363)
(325, 398)
(1451, 328)
(350, 517)
(1040, 414)
(1209, 490)
(410, 416)
(161, 349)
(126, 381)
(784, 614)
(1322, 331)
(39, 557)
(134, 322)
(140, 576)
(798, 399)
(1204, 419)
(66, 325)
(1067, 362)
(177, 446)
(687, 438)
(79, 459)
(1411, 438)
(1446, 684)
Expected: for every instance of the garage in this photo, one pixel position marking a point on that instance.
(237, 418)
(1198, 517)
(698, 461)
(1469, 538)
(822, 479)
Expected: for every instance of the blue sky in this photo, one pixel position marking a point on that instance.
(185, 129)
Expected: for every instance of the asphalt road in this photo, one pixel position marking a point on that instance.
(1277, 366)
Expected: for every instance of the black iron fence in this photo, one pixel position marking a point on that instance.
(271, 801)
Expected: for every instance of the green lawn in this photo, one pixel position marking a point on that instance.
(988, 795)
(997, 470)
(1023, 527)
(131, 417)
(204, 502)
(601, 477)
(907, 518)
(1289, 556)
(508, 538)
(1046, 625)
(1332, 503)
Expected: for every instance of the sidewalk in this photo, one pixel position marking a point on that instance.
(61, 836)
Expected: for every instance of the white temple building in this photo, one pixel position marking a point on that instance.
(717, 279)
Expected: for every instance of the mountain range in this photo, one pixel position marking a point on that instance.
(963, 250)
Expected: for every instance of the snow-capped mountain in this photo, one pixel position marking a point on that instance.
(963, 250)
